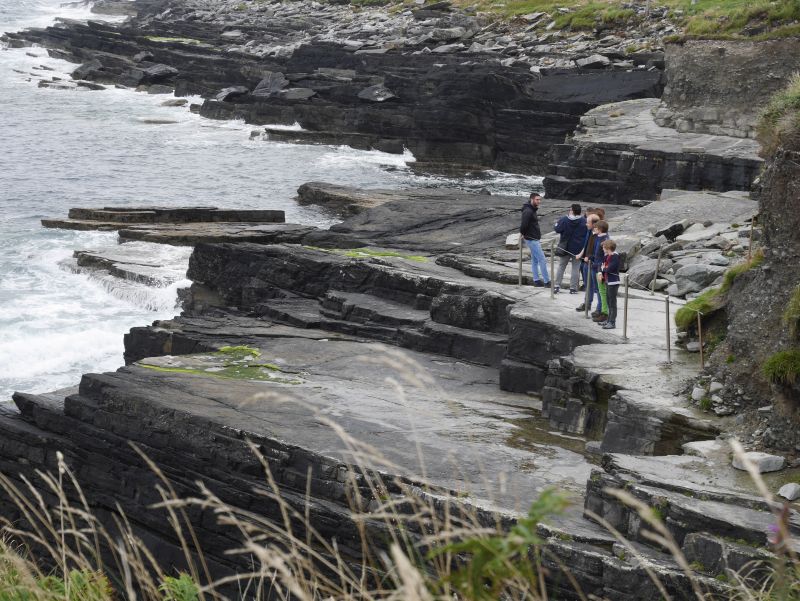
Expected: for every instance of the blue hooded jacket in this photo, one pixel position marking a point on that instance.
(573, 234)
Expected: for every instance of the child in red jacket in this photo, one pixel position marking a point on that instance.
(610, 273)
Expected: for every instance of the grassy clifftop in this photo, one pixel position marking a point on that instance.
(700, 18)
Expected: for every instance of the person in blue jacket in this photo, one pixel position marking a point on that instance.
(610, 272)
(529, 230)
(572, 228)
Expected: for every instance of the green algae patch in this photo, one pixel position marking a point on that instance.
(228, 363)
(368, 253)
(238, 352)
(163, 40)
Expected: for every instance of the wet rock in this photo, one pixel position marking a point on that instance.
(270, 85)
(175, 102)
(88, 69)
(763, 462)
(158, 73)
(232, 93)
(376, 93)
(143, 56)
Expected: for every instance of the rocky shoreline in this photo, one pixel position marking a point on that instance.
(322, 325)
(405, 325)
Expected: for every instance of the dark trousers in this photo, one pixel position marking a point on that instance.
(612, 302)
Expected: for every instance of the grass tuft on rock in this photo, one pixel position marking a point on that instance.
(779, 124)
(783, 367)
(708, 302)
(734, 272)
(791, 315)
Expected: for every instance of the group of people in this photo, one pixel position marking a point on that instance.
(585, 244)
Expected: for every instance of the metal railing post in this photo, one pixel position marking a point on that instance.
(700, 338)
(587, 300)
(669, 343)
(655, 275)
(625, 311)
(552, 269)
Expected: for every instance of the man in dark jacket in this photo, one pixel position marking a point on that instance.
(586, 252)
(530, 232)
(572, 228)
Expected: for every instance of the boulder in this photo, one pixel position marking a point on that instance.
(763, 462)
(790, 491)
(696, 277)
(642, 271)
(87, 70)
(158, 73)
(703, 448)
(271, 84)
(142, 56)
(512, 241)
(232, 93)
(175, 102)
(376, 93)
(652, 246)
(716, 259)
(595, 61)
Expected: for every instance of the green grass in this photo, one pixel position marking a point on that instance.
(734, 272)
(715, 19)
(735, 17)
(588, 17)
(783, 367)
(708, 302)
(779, 123)
(705, 403)
(791, 315)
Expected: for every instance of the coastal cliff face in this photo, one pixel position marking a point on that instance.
(718, 86)
(762, 306)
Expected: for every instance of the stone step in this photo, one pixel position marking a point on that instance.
(483, 348)
(689, 494)
(365, 308)
(297, 312)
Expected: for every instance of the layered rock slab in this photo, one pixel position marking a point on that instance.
(620, 154)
